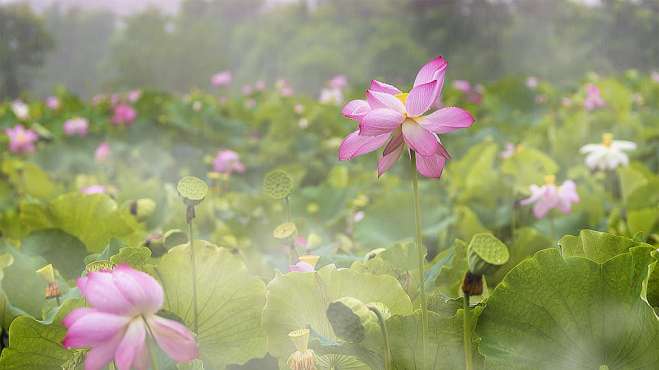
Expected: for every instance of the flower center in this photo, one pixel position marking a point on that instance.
(607, 139)
(402, 97)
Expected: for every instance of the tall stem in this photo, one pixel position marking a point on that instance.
(385, 334)
(469, 365)
(195, 312)
(420, 254)
(150, 345)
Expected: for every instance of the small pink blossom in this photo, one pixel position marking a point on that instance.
(228, 161)
(124, 115)
(259, 85)
(284, 88)
(21, 140)
(123, 316)
(301, 266)
(134, 95)
(94, 189)
(298, 108)
(399, 122)
(593, 98)
(102, 152)
(76, 126)
(98, 99)
(52, 102)
(300, 241)
(474, 94)
(462, 86)
(247, 89)
(338, 82)
(655, 76)
(222, 78)
(547, 197)
(532, 82)
(508, 152)
(358, 216)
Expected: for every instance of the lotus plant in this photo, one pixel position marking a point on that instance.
(52, 102)
(123, 115)
(549, 196)
(607, 155)
(76, 127)
(122, 322)
(593, 98)
(102, 152)
(21, 140)
(222, 78)
(20, 110)
(227, 161)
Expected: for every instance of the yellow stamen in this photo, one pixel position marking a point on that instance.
(300, 339)
(607, 139)
(550, 179)
(402, 97)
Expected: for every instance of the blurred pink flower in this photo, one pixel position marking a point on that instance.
(21, 140)
(98, 99)
(76, 126)
(20, 110)
(134, 95)
(508, 151)
(397, 121)
(228, 161)
(94, 189)
(655, 76)
(122, 318)
(301, 266)
(247, 89)
(532, 82)
(331, 95)
(283, 88)
(593, 98)
(223, 78)
(549, 196)
(250, 103)
(338, 82)
(462, 86)
(102, 152)
(124, 115)
(298, 108)
(52, 102)
(474, 94)
(259, 85)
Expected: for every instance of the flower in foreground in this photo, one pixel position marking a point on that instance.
(76, 126)
(398, 121)
(593, 98)
(227, 161)
(122, 318)
(21, 140)
(222, 78)
(20, 109)
(609, 154)
(102, 152)
(303, 358)
(123, 115)
(549, 196)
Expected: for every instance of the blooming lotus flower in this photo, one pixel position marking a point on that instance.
(609, 154)
(124, 114)
(398, 121)
(338, 82)
(124, 306)
(20, 109)
(21, 140)
(134, 95)
(94, 189)
(223, 78)
(227, 161)
(52, 102)
(473, 94)
(593, 98)
(102, 152)
(76, 126)
(532, 82)
(545, 198)
(462, 86)
(306, 263)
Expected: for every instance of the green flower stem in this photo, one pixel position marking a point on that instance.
(150, 341)
(195, 324)
(469, 364)
(385, 334)
(288, 209)
(420, 254)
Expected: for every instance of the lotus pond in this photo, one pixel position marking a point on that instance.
(271, 230)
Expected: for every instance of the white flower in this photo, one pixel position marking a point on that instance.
(331, 96)
(21, 110)
(609, 154)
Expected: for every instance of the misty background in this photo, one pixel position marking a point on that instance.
(92, 47)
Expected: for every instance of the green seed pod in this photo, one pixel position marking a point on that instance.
(99, 266)
(142, 209)
(349, 318)
(486, 253)
(192, 189)
(277, 184)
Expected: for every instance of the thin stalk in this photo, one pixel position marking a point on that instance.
(420, 254)
(150, 345)
(195, 312)
(385, 334)
(469, 364)
(288, 209)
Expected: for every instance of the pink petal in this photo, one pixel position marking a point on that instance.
(384, 87)
(132, 346)
(380, 121)
(430, 166)
(355, 145)
(356, 109)
(382, 100)
(541, 208)
(394, 143)
(174, 338)
(301, 267)
(433, 70)
(536, 193)
(419, 139)
(441, 150)
(102, 354)
(421, 98)
(139, 288)
(102, 294)
(387, 160)
(93, 329)
(75, 315)
(446, 120)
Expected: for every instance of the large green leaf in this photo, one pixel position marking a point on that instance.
(63, 250)
(527, 242)
(595, 245)
(229, 301)
(399, 261)
(552, 312)
(23, 287)
(299, 300)
(94, 219)
(529, 166)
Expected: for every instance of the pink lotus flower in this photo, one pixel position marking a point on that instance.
(397, 120)
(301, 266)
(338, 82)
(473, 94)
(284, 88)
(593, 98)
(259, 85)
(21, 140)
(532, 82)
(124, 115)
(247, 89)
(462, 86)
(549, 196)
(76, 126)
(223, 78)
(52, 102)
(102, 152)
(134, 95)
(124, 306)
(228, 161)
(94, 189)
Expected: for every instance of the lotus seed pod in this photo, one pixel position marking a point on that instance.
(486, 253)
(285, 230)
(349, 318)
(142, 209)
(277, 184)
(303, 358)
(192, 189)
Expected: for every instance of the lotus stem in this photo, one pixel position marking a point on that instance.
(469, 365)
(385, 335)
(195, 324)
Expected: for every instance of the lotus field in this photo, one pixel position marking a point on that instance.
(432, 223)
